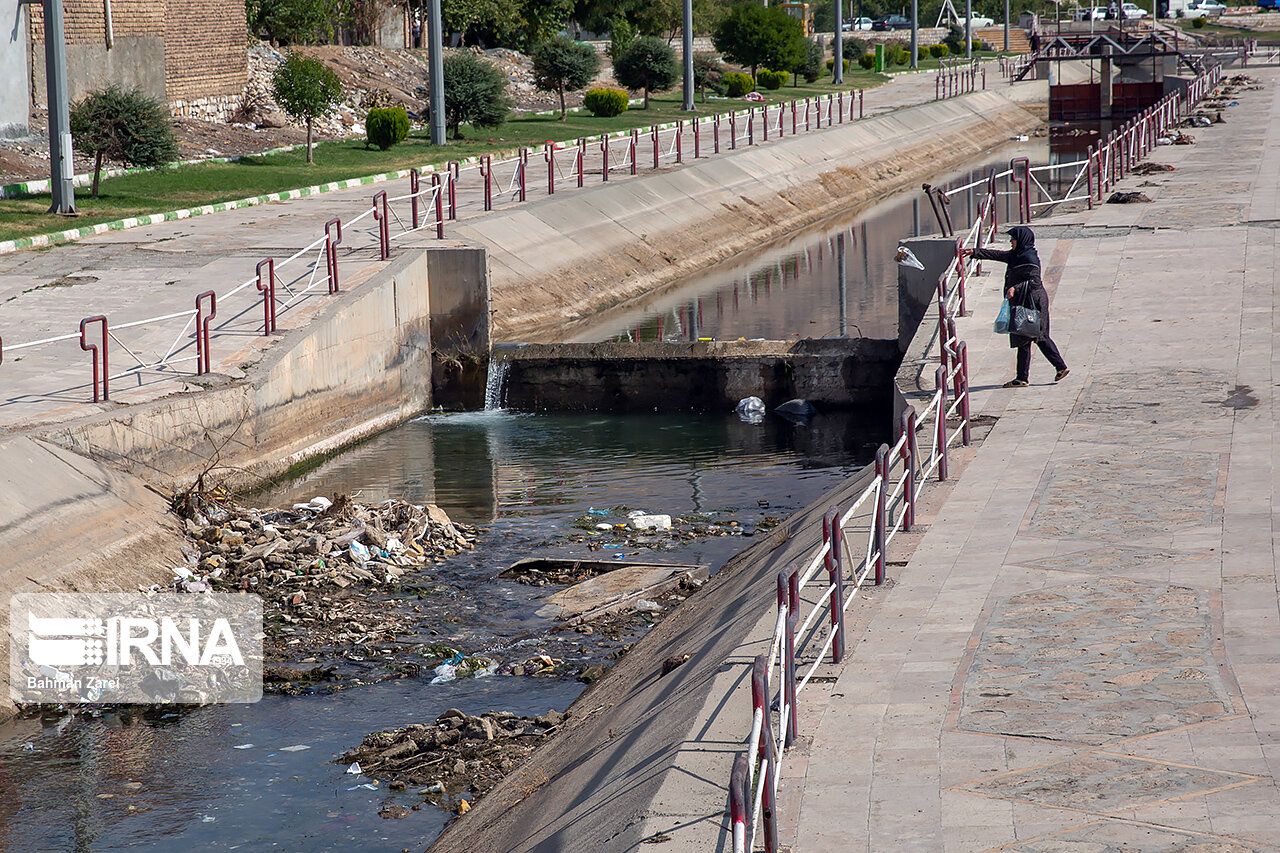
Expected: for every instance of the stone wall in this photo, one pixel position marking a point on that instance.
(190, 55)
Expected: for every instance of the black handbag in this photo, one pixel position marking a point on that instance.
(1027, 322)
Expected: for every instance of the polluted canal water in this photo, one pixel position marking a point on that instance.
(264, 776)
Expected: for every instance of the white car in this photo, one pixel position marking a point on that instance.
(1093, 13)
(858, 24)
(978, 21)
(1203, 9)
(1131, 11)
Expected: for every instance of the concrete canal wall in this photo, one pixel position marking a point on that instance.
(557, 263)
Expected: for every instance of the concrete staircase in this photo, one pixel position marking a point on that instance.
(994, 36)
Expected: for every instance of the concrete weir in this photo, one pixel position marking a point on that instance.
(703, 376)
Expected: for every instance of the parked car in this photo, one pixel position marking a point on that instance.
(979, 21)
(892, 22)
(1092, 13)
(1203, 9)
(862, 23)
(1133, 12)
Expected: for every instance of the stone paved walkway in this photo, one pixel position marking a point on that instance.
(1083, 653)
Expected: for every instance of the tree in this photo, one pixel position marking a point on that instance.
(305, 89)
(811, 63)
(290, 21)
(561, 64)
(475, 92)
(649, 64)
(123, 126)
(708, 70)
(753, 36)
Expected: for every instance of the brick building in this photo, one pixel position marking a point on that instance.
(189, 54)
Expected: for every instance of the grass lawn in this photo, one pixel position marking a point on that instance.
(208, 183)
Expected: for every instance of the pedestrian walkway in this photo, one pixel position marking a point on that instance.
(158, 270)
(1083, 652)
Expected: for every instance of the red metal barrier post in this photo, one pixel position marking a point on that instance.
(384, 223)
(882, 509)
(415, 183)
(100, 391)
(486, 172)
(331, 250)
(455, 171)
(834, 536)
(268, 290)
(203, 319)
(437, 191)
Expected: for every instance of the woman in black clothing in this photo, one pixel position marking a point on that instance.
(1023, 287)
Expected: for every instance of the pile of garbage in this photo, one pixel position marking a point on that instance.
(1148, 167)
(622, 528)
(456, 757)
(315, 564)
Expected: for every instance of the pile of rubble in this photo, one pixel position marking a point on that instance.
(315, 564)
(621, 528)
(456, 757)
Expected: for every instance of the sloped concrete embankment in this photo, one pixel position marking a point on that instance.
(556, 264)
(84, 507)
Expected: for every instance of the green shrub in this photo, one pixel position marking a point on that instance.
(896, 53)
(977, 45)
(122, 126)
(737, 84)
(831, 63)
(938, 51)
(811, 68)
(771, 79)
(605, 103)
(1198, 23)
(385, 127)
(867, 61)
(854, 46)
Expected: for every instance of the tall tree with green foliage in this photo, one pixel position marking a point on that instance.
(755, 36)
(708, 70)
(290, 21)
(306, 89)
(561, 64)
(475, 93)
(122, 126)
(649, 64)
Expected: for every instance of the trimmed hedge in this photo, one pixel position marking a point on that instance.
(386, 126)
(606, 103)
(831, 63)
(867, 61)
(771, 79)
(938, 51)
(737, 84)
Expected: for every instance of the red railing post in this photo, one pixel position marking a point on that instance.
(962, 382)
(549, 154)
(861, 93)
(415, 182)
(331, 250)
(751, 126)
(795, 126)
(715, 129)
(268, 290)
(455, 172)
(523, 166)
(582, 159)
(202, 329)
(733, 131)
(1, 350)
(882, 511)
(806, 114)
(764, 132)
(789, 597)
(697, 138)
(384, 223)
(635, 150)
(909, 466)
(767, 754)
(832, 535)
(486, 172)
(604, 154)
(680, 141)
(99, 353)
(782, 111)
(653, 132)
(740, 795)
(437, 189)
(962, 308)
(940, 378)
(1088, 172)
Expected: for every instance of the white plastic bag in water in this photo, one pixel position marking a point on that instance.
(905, 257)
(750, 409)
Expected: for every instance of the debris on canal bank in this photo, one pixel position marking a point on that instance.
(456, 759)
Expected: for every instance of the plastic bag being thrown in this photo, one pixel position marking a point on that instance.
(905, 257)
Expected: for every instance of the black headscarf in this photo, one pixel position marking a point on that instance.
(1024, 251)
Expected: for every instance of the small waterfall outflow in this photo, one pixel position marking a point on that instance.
(495, 383)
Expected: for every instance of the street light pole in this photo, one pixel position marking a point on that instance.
(837, 70)
(688, 56)
(61, 165)
(915, 34)
(968, 29)
(435, 71)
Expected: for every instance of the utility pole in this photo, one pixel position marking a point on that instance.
(837, 70)
(435, 71)
(968, 29)
(915, 34)
(61, 165)
(1006, 26)
(688, 56)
